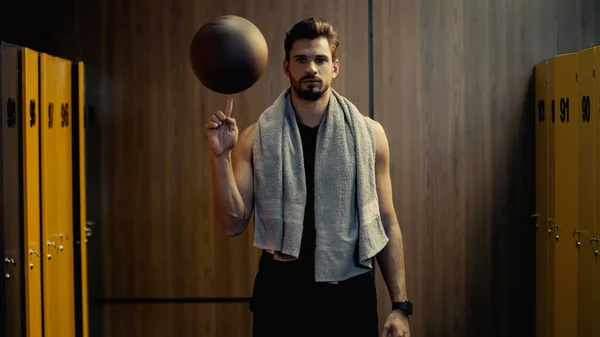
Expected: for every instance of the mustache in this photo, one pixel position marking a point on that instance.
(309, 77)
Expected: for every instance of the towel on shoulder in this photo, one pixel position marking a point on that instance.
(346, 206)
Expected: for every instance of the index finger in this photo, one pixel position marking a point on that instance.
(229, 106)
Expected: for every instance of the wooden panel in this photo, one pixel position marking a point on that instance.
(564, 315)
(399, 87)
(11, 176)
(587, 171)
(158, 231)
(541, 216)
(57, 199)
(189, 319)
(452, 79)
(31, 192)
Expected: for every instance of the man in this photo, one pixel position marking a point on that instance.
(310, 196)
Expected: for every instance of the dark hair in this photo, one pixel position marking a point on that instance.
(311, 28)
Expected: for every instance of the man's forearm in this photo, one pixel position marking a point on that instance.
(228, 203)
(391, 263)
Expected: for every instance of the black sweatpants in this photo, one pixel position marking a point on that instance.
(288, 303)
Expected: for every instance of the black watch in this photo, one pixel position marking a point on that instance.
(405, 306)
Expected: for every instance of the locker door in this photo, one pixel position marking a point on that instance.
(31, 192)
(92, 107)
(13, 235)
(49, 183)
(564, 316)
(79, 205)
(2, 251)
(57, 196)
(585, 81)
(65, 242)
(551, 221)
(595, 108)
(541, 131)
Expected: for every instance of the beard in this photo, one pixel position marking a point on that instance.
(314, 91)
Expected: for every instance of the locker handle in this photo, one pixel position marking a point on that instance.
(554, 227)
(33, 252)
(548, 221)
(61, 247)
(51, 244)
(9, 261)
(593, 242)
(88, 228)
(535, 216)
(578, 232)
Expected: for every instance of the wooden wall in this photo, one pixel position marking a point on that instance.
(161, 161)
(452, 87)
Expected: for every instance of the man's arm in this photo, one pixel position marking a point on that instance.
(391, 258)
(233, 190)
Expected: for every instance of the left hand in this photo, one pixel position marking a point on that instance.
(396, 325)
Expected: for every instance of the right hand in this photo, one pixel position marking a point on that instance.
(221, 130)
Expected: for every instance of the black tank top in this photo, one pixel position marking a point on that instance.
(307, 250)
(302, 270)
(279, 283)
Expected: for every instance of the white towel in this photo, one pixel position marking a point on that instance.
(346, 204)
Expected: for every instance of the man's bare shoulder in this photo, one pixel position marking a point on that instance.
(248, 132)
(378, 130)
(245, 141)
(381, 141)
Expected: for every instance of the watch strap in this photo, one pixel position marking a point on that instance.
(405, 306)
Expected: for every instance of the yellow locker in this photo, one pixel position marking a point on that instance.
(542, 211)
(57, 196)
(31, 191)
(65, 195)
(79, 206)
(586, 200)
(566, 219)
(550, 221)
(595, 112)
(10, 183)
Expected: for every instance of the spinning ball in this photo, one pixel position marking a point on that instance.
(228, 55)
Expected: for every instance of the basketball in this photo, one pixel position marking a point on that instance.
(229, 54)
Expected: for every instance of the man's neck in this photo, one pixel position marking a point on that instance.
(310, 113)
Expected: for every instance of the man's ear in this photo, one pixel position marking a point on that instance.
(336, 67)
(286, 68)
